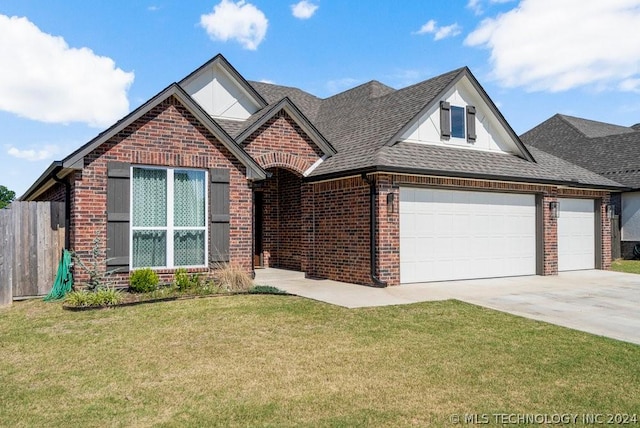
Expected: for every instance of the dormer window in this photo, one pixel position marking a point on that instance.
(457, 122)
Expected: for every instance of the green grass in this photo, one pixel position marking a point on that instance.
(628, 266)
(260, 360)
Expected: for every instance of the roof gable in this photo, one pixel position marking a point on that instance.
(298, 117)
(75, 160)
(221, 91)
(492, 131)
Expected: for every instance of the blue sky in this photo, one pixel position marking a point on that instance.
(69, 69)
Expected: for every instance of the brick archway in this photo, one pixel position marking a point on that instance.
(287, 161)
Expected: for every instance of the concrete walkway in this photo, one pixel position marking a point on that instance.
(599, 302)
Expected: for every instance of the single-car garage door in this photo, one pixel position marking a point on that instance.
(455, 234)
(576, 234)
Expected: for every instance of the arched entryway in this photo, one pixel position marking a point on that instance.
(278, 227)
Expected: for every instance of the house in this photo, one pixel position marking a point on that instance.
(373, 185)
(609, 150)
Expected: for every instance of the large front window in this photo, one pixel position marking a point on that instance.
(169, 211)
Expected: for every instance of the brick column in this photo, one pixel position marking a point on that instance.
(388, 233)
(606, 232)
(549, 236)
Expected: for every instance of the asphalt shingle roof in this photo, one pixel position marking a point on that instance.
(609, 150)
(360, 123)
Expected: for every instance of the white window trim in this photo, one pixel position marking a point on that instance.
(170, 228)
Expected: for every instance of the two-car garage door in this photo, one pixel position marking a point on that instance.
(455, 234)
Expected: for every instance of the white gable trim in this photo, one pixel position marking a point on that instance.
(465, 90)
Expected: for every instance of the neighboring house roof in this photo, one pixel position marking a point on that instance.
(607, 149)
(360, 130)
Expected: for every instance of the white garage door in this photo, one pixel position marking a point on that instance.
(453, 234)
(576, 234)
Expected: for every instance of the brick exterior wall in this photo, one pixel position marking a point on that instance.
(168, 135)
(339, 236)
(280, 142)
(282, 226)
(55, 193)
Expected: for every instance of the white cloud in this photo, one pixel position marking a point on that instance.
(34, 155)
(153, 8)
(42, 78)
(447, 31)
(546, 45)
(239, 21)
(630, 85)
(439, 33)
(475, 6)
(304, 9)
(271, 82)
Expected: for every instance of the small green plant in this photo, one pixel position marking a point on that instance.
(233, 278)
(143, 281)
(266, 289)
(101, 297)
(95, 268)
(183, 281)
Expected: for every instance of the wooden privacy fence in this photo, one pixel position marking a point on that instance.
(31, 243)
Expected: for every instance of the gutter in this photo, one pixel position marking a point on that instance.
(457, 174)
(373, 220)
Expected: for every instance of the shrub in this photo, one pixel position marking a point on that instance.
(183, 281)
(143, 281)
(233, 278)
(266, 289)
(101, 297)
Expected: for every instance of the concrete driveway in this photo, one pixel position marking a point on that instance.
(599, 302)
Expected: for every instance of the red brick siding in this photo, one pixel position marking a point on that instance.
(339, 237)
(280, 142)
(388, 231)
(168, 135)
(55, 193)
(282, 229)
(289, 253)
(549, 235)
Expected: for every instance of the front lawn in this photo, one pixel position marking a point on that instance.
(256, 360)
(628, 266)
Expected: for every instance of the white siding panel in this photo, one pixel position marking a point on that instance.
(219, 95)
(630, 216)
(576, 234)
(448, 235)
(490, 136)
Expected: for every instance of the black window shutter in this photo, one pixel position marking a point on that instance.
(445, 119)
(118, 214)
(471, 124)
(219, 207)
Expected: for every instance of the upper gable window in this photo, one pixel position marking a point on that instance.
(457, 122)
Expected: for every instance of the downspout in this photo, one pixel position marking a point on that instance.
(373, 221)
(67, 207)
